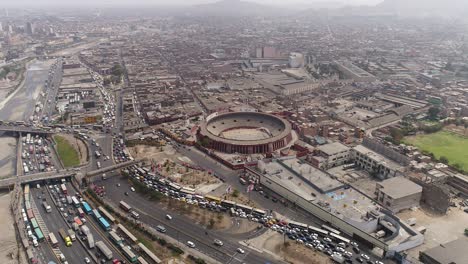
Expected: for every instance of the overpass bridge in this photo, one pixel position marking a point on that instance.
(10, 182)
(114, 167)
(26, 129)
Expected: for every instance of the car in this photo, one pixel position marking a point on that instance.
(86, 260)
(35, 243)
(190, 244)
(218, 242)
(161, 228)
(126, 193)
(132, 189)
(365, 257)
(359, 259)
(240, 250)
(118, 184)
(168, 217)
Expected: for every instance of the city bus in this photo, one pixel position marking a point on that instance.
(141, 260)
(39, 234)
(340, 238)
(149, 254)
(213, 199)
(96, 214)
(129, 254)
(104, 224)
(245, 208)
(87, 208)
(115, 238)
(259, 212)
(125, 206)
(228, 204)
(331, 229)
(318, 230)
(174, 186)
(294, 224)
(187, 191)
(75, 201)
(106, 214)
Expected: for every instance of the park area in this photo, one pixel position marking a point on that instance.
(67, 153)
(443, 144)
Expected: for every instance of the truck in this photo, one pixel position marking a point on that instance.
(98, 164)
(53, 240)
(47, 207)
(75, 226)
(90, 239)
(85, 230)
(72, 235)
(63, 188)
(104, 249)
(65, 237)
(78, 221)
(69, 199)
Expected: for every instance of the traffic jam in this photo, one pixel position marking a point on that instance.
(324, 238)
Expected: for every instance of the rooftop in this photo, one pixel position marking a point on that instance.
(399, 187)
(378, 157)
(453, 252)
(333, 148)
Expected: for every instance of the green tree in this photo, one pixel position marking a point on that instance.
(235, 193)
(433, 112)
(444, 159)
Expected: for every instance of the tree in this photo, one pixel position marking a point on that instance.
(397, 135)
(443, 159)
(433, 112)
(235, 193)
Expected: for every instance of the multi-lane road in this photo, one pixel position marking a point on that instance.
(183, 228)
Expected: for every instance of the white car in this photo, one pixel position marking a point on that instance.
(365, 257)
(240, 250)
(86, 260)
(132, 189)
(190, 244)
(168, 217)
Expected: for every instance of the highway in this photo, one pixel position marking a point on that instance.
(54, 221)
(181, 227)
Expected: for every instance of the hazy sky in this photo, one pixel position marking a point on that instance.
(173, 2)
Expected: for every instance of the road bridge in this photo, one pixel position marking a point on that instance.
(26, 129)
(114, 167)
(8, 182)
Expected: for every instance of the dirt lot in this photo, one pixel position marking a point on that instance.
(201, 216)
(171, 165)
(8, 245)
(440, 229)
(79, 145)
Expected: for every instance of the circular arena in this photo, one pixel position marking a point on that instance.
(245, 132)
